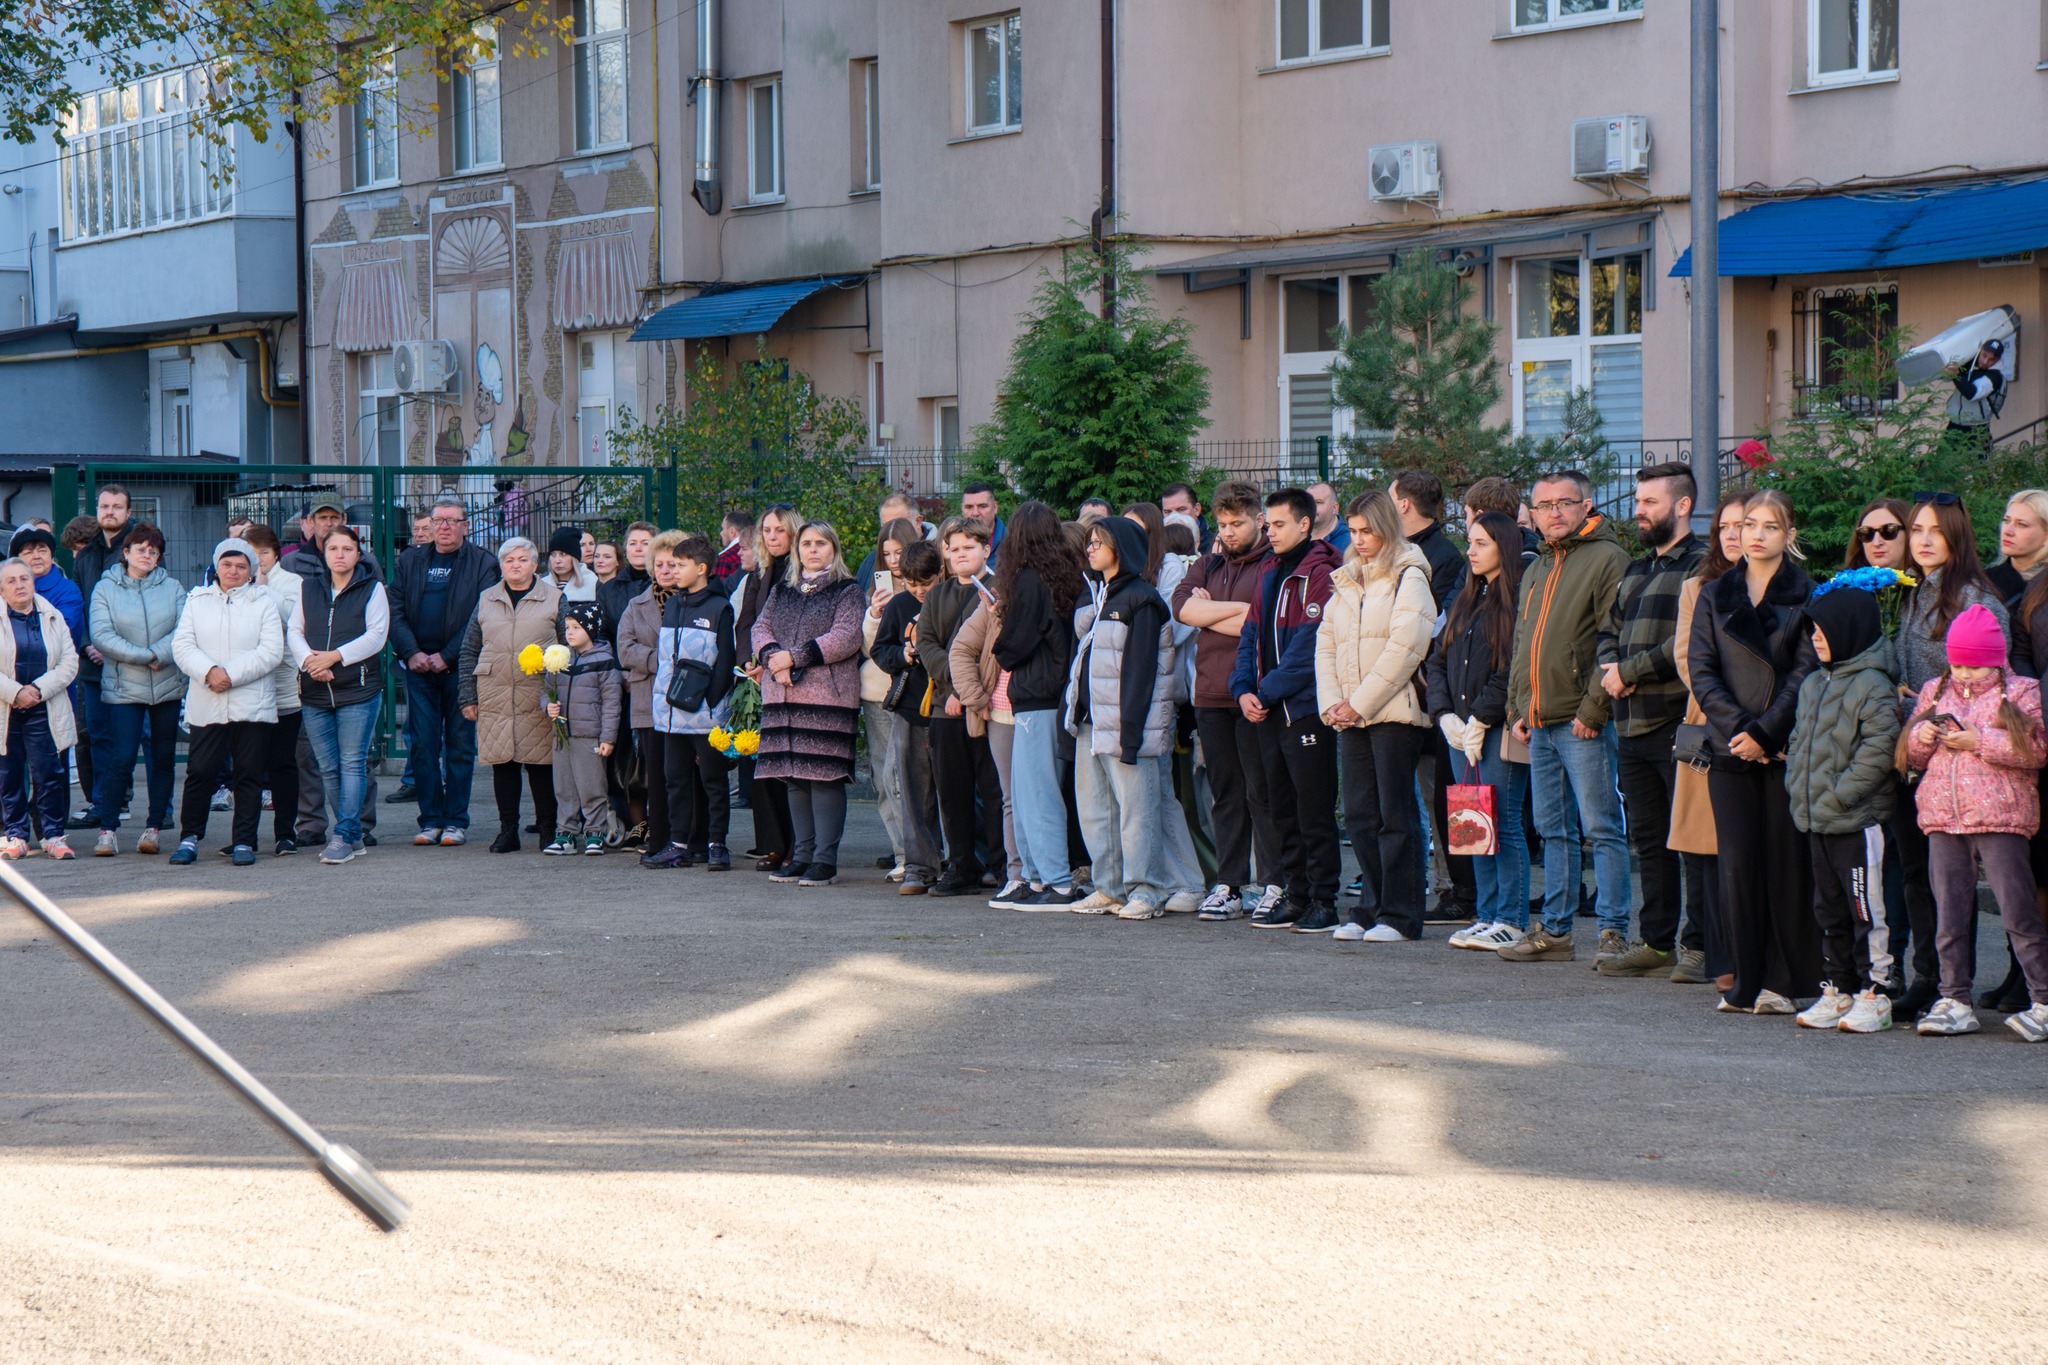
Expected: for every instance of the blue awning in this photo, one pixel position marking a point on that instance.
(1880, 230)
(734, 312)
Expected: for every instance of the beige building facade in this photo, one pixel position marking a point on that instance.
(922, 164)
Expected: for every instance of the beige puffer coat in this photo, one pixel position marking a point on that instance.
(55, 682)
(511, 726)
(1372, 641)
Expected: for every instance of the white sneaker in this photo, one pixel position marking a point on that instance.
(1491, 938)
(896, 873)
(1098, 903)
(1137, 907)
(1458, 936)
(2030, 1024)
(1384, 933)
(1184, 902)
(1770, 1002)
(1947, 1018)
(1826, 1012)
(1870, 1012)
(1268, 900)
(1348, 932)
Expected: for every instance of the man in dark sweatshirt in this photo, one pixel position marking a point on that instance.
(1274, 685)
(970, 791)
(1215, 597)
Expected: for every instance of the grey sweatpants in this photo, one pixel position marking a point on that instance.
(1952, 869)
(580, 790)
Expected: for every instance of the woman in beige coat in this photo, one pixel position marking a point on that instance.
(512, 729)
(1374, 636)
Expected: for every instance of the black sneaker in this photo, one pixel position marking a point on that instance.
(675, 855)
(1448, 910)
(507, 840)
(286, 847)
(820, 874)
(1282, 916)
(405, 792)
(1050, 899)
(717, 859)
(950, 885)
(1320, 919)
(884, 863)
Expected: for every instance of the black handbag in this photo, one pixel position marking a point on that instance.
(1693, 748)
(689, 682)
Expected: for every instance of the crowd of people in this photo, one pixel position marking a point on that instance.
(1784, 788)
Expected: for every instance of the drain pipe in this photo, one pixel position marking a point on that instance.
(705, 187)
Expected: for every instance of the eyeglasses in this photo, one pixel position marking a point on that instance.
(1938, 499)
(1558, 505)
(1890, 531)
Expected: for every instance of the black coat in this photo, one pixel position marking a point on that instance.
(475, 569)
(1747, 660)
(1446, 562)
(1035, 645)
(1465, 679)
(88, 565)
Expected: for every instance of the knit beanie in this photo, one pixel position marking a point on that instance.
(31, 535)
(1975, 639)
(567, 540)
(589, 615)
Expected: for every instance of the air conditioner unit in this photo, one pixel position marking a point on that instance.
(1606, 147)
(423, 366)
(1404, 170)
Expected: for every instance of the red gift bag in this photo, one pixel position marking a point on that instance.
(1473, 819)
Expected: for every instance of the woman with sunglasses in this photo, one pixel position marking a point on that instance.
(1943, 546)
(1879, 539)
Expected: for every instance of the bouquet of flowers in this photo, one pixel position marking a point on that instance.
(1888, 586)
(549, 663)
(741, 736)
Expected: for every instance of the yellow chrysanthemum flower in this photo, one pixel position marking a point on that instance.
(721, 739)
(531, 660)
(748, 742)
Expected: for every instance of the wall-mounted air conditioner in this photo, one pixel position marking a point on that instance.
(423, 366)
(1603, 148)
(1404, 170)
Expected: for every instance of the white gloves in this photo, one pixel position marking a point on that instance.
(1454, 730)
(1474, 740)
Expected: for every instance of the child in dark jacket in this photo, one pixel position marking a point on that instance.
(590, 697)
(896, 654)
(696, 642)
(1838, 770)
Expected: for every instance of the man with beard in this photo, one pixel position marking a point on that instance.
(1634, 648)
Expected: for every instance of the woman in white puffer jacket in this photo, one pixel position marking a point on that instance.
(1374, 635)
(229, 642)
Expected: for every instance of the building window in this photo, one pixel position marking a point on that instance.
(945, 443)
(1331, 28)
(995, 75)
(1579, 325)
(1851, 40)
(134, 159)
(764, 141)
(1314, 315)
(373, 125)
(598, 50)
(1562, 13)
(380, 417)
(174, 394)
(1832, 330)
(473, 96)
(871, 124)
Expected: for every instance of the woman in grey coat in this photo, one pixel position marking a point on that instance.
(133, 615)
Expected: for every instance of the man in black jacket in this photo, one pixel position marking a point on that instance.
(435, 597)
(1419, 499)
(88, 564)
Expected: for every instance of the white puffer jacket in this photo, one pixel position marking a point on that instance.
(239, 631)
(1373, 639)
(54, 683)
(285, 589)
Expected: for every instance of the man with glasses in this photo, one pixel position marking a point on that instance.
(437, 591)
(1558, 707)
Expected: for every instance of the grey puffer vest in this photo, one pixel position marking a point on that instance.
(1100, 649)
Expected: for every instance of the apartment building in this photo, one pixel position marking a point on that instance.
(876, 190)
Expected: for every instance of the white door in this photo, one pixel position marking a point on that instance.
(594, 398)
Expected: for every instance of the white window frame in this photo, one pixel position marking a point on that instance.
(371, 396)
(469, 115)
(1374, 43)
(871, 124)
(1296, 363)
(1610, 11)
(1862, 72)
(586, 69)
(176, 426)
(134, 160)
(375, 107)
(1578, 350)
(775, 191)
(1010, 83)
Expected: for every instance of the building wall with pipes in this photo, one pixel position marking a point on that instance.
(532, 266)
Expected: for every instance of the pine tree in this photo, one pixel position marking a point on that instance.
(1094, 406)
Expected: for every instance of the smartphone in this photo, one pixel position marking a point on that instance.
(1945, 723)
(886, 581)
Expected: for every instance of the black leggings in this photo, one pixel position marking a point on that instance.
(540, 779)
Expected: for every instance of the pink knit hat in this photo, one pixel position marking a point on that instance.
(1975, 640)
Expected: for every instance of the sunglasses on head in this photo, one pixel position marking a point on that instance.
(1891, 530)
(1938, 499)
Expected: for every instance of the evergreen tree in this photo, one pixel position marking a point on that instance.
(1094, 406)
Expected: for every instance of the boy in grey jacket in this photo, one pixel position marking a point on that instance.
(591, 694)
(1838, 769)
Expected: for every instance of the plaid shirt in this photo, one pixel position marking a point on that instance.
(1640, 632)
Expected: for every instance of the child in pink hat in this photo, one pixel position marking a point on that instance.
(1977, 736)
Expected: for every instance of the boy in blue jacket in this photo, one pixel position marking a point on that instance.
(1274, 683)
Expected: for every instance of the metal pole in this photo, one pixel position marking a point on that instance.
(1706, 254)
(347, 1172)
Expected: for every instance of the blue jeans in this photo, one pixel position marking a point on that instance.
(1038, 814)
(341, 744)
(443, 746)
(115, 768)
(1503, 879)
(94, 734)
(32, 757)
(1569, 773)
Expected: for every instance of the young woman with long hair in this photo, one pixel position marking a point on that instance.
(879, 720)
(2022, 545)
(1468, 696)
(774, 554)
(1692, 815)
(1751, 648)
